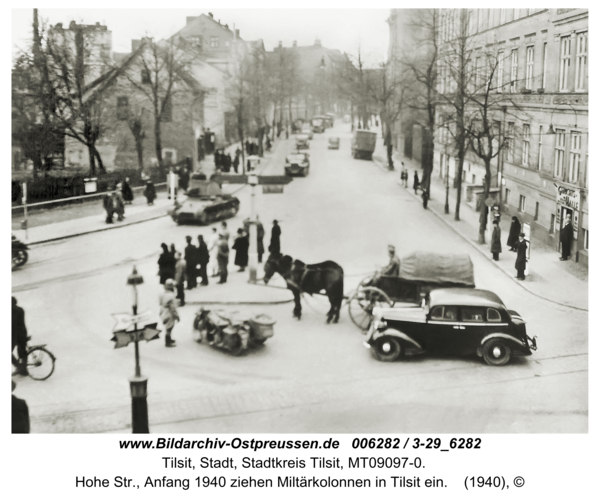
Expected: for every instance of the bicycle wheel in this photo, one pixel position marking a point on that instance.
(40, 363)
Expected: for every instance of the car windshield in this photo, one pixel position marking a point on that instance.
(296, 158)
(301, 138)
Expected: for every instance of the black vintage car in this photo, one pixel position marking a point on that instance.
(459, 321)
(297, 163)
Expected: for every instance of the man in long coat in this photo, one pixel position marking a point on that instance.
(240, 246)
(203, 258)
(260, 234)
(513, 234)
(496, 247)
(223, 258)
(19, 338)
(521, 261)
(275, 245)
(191, 262)
(566, 238)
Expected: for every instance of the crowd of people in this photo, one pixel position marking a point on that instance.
(180, 271)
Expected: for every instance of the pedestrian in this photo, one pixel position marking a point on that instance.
(260, 235)
(416, 182)
(165, 264)
(248, 147)
(223, 258)
(496, 247)
(225, 231)
(236, 161)
(168, 311)
(190, 255)
(393, 267)
(118, 204)
(566, 238)
(19, 339)
(180, 277)
(184, 178)
(425, 196)
(20, 414)
(275, 245)
(521, 261)
(268, 143)
(127, 191)
(107, 204)
(483, 218)
(150, 192)
(203, 258)
(240, 246)
(513, 234)
(213, 249)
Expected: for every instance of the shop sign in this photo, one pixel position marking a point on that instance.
(568, 197)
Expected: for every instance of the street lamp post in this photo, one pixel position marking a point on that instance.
(138, 385)
(253, 250)
(447, 204)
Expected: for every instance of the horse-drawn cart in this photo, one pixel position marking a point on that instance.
(420, 272)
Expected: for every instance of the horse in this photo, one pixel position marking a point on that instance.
(309, 278)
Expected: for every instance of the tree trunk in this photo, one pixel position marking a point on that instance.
(486, 193)
(427, 160)
(157, 141)
(140, 153)
(261, 136)
(461, 164)
(97, 157)
(92, 159)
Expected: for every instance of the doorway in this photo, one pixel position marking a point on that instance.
(564, 212)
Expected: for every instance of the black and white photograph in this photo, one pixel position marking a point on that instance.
(298, 220)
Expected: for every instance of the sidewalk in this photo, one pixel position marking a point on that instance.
(564, 283)
(134, 214)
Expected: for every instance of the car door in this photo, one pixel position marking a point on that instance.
(442, 329)
(473, 327)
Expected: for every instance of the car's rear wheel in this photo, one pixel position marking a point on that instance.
(387, 349)
(496, 352)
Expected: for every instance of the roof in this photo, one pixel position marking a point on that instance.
(438, 268)
(464, 297)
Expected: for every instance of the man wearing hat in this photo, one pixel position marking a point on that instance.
(566, 238)
(168, 311)
(521, 261)
(275, 245)
(393, 268)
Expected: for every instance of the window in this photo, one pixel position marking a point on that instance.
(552, 221)
(510, 139)
(544, 52)
(581, 62)
(507, 196)
(529, 73)
(493, 315)
(586, 238)
(514, 63)
(500, 71)
(214, 42)
(122, 108)
(574, 156)
(197, 41)
(477, 70)
(565, 62)
(444, 313)
(526, 139)
(559, 152)
(473, 314)
(167, 114)
(521, 203)
(540, 144)
(146, 76)
(537, 210)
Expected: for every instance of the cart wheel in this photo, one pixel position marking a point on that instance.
(361, 305)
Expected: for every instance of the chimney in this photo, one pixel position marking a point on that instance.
(190, 20)
(295, 44)
(317, 42)
(211, 15)
(135, 44)
(280, 45)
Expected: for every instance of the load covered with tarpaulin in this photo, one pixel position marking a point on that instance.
(438, 268)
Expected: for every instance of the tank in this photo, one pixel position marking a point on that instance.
(204, 203)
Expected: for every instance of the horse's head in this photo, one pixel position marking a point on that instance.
(277, 263)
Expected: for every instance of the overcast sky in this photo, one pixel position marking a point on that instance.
(343, 29)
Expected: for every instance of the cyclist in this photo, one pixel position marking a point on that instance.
(19, 338)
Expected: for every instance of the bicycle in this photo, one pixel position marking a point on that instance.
(40, 362)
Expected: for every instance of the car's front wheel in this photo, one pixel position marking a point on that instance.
(496, 352)
(387, 349)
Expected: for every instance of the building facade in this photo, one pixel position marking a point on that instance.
(539, 59)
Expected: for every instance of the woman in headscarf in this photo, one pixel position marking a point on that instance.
(513, 234)
(127, 191)
(416, 182)
(166, 264)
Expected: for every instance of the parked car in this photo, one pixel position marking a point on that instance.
(302, 141)
(297, 163)
(307, 130)
(458, 321)
(333, 143)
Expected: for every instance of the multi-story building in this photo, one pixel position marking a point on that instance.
(540, 96)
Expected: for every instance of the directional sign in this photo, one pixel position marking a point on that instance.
(123, 338)
(274, 188)
(243, 179)
(125, 320)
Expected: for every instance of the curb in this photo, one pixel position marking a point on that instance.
(480, 250)
(239, 303)
(58, 238)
